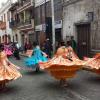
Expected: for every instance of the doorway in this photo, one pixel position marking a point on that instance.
(58, 36)
(83, 36)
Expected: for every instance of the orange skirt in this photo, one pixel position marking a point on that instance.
(97, 71)
(63, 72)
(8, 73)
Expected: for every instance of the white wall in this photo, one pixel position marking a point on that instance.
(72, 14)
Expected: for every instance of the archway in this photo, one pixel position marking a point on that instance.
(9, 38)
(16, 37)
(5, 38)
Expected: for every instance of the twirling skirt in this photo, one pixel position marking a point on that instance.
(8, 72)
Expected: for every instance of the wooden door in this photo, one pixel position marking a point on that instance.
(83, 33)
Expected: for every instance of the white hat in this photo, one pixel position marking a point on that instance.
(47, 38)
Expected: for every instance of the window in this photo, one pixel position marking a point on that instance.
(4, 18)
(1, 18)
(9, 38)
(48, 9)
(0, 39)
(37, 16)
(6, 38)
(13, 39)
(16, 36)
(42, 13)
(22, 17)
(8, 16)
(3, 38)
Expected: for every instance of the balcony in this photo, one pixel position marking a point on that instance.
(24, 25)
(2, 25)
(27, 22)
(23, 5)
(24, 2)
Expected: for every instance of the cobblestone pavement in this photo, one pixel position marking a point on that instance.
(41, 86)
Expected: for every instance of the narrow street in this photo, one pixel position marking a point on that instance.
(38, 28)
(41, 86)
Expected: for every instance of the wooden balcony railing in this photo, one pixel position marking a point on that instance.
(27, 22)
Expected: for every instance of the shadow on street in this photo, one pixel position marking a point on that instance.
(31, 73)
(12, 89)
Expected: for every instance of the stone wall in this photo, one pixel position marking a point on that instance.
(75, 11)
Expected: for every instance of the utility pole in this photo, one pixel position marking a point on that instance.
(53, 25)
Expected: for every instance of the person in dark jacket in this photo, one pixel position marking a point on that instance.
(73, 43)
(16, 53)
(47, 47)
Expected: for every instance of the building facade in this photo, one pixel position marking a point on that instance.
(5, 31)
(81, 20)
(13, 23)
(22, 21)
(43, 19)
(41, 12)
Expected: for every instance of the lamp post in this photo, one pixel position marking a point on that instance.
(53, 25)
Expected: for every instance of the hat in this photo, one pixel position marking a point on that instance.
(48, 39)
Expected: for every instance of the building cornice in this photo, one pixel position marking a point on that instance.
(6, 6)
(40, 2)
(24, 7)
(67, 3)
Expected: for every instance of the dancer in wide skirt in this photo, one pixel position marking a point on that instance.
(8, 71)
(8, 50)
(93, 64)
(37, 56)
(62, 66)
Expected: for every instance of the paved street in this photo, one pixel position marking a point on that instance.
(41, 86)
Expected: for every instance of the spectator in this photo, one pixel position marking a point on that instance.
(17, 45)
(73, 43)
(61, 43)
(16, 53)
(26, 46)
(47, 47)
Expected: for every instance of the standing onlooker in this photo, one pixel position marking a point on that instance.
(73, 43)
(68, 41)
(61, 43)
(25, 46)
(17, 45)
(29, 45)
(47, 48)
(16, 51)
